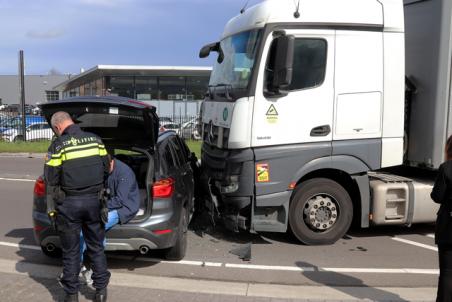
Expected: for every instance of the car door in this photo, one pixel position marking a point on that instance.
(34, 132)
(47, 132)
(185, 170)
(191, 169)
(305, 114)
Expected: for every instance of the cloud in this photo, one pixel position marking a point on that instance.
(49, 34)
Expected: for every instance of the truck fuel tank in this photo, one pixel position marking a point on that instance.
(400, 200)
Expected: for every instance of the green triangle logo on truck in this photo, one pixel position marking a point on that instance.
(272, 111)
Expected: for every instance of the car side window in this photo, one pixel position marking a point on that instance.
(178, 153)
(185, 149)
(168, 157)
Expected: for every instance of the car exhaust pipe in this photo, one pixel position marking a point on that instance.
(143, 249)
(50, 247)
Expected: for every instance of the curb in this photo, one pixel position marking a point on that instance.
(23, 155)
(240, 289)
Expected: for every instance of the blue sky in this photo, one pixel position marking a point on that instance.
(67, 35)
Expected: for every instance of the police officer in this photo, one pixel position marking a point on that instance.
(75, 170)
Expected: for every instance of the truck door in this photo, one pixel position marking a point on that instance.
(305, 114)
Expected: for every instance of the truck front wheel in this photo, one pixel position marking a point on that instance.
(321, 211)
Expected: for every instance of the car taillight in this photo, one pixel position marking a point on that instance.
(40, 187)
(163, 188)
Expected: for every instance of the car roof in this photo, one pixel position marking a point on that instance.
(103, 99)
(165, 134)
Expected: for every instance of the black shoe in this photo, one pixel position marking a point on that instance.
(101, 295)
(71, 298)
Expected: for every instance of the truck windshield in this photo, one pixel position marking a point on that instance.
(239, 58)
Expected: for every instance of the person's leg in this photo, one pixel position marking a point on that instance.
(82, 247)
(113, 219)
(94, 233)
(445, 277)
(69, 226)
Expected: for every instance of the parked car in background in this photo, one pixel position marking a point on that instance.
(16, 122)
(35, 132)
(170, 126)
(163, 165)
(189, 130)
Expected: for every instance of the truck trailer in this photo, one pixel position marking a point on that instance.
(324, 112)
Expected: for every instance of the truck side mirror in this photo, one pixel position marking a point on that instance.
(207, 49)
(280, 65)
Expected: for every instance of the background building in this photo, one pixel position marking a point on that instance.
(174, 91)
(38, 88)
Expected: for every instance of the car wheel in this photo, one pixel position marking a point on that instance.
(52, 253)
(18, 138)
(177, 252)
(321, 212)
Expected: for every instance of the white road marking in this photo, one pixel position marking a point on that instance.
(17, 179)
(276, 291)
(258, 267)
(270, 267)
(380, 270)
(183, 262)
(425, 246)
(430, 235)
(21, 246)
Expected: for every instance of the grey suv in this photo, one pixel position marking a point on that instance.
(162, 163)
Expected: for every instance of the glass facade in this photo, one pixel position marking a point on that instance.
(146, 88)
(171, 95)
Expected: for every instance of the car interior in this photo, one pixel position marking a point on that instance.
(139, 163)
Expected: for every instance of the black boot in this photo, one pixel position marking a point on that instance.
(71, 298)
(101, 295)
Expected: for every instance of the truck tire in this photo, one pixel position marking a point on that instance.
(177, 252)
(321, 212)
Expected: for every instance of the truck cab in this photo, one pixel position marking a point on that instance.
(303, 93)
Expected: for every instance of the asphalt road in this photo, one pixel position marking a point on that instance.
(378, 257)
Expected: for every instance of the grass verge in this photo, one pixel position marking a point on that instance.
(195, 146)
(24, 147)
(42, 146)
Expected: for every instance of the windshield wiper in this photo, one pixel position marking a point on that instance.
(227, 89)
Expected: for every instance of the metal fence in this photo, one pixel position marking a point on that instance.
(12, 130)
(36, 127)
(185, 126)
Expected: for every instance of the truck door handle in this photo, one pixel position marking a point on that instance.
(321, 130)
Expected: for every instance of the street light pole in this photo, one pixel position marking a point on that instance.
(22, 92)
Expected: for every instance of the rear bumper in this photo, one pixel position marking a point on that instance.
(121, 237)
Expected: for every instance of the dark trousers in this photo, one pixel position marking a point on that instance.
(445, 274)
(82, 213)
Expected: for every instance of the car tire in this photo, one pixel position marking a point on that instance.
(56, 253)
(178, 251)
(18, 138)
(321, 212)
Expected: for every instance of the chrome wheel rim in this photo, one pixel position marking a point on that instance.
(320, 212)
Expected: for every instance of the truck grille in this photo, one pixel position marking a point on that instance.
(215, 135)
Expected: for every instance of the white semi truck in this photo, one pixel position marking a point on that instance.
(321, 112)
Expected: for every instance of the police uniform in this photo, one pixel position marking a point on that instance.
(77, 165)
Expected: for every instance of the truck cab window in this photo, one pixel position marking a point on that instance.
(309, 64)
